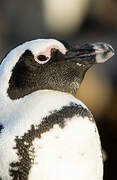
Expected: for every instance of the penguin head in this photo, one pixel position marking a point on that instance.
(48, 64)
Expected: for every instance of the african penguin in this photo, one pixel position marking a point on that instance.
(45, 132)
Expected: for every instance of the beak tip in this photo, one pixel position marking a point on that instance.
(103, 52)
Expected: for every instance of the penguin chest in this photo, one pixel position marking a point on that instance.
(58, 142)
(71, 152)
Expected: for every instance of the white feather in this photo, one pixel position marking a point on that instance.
(69, 153)
(21, 114)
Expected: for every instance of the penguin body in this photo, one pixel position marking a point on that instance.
(51, 140)
(45, 132)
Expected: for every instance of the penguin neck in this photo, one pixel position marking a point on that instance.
(37, 104)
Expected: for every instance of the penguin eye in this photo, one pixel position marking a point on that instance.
(42, 59)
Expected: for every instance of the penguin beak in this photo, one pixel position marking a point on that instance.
(91, 53)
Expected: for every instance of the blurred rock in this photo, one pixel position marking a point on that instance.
(95, 92)
(65, 16)
(111, 113)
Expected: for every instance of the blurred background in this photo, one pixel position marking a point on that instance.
(78, 22)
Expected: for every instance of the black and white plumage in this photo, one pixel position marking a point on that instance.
(45, 132)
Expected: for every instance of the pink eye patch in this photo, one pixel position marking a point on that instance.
(45, 56)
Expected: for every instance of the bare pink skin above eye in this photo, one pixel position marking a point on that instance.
(46, 53)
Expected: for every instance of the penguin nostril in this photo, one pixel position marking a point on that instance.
(42, 58)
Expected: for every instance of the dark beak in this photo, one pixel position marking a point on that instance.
(90, 53)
